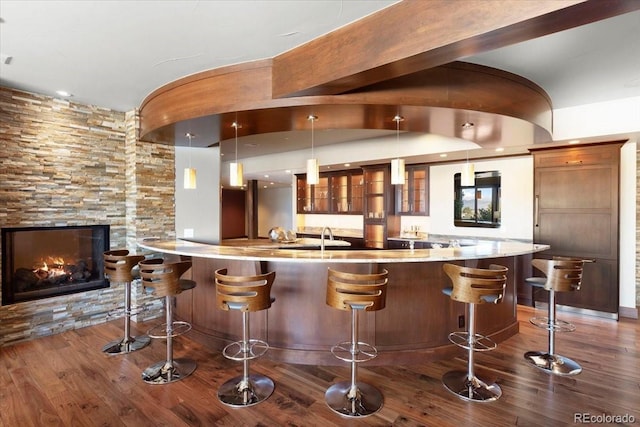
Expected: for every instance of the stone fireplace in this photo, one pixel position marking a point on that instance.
(69, 164)
(41, 262)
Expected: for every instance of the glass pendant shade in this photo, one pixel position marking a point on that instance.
(236, 179)
(468, 176)
(189, 178)
(397, 171)
(313, 171)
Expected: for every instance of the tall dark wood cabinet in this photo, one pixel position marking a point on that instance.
(576, 192)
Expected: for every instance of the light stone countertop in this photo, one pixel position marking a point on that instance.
(482, 249)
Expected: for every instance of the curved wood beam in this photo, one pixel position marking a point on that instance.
(411, 36)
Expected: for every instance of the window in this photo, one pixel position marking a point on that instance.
(478, 205)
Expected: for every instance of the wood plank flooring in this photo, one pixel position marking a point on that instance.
(65, 380)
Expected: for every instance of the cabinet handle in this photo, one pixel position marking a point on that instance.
(537, 210)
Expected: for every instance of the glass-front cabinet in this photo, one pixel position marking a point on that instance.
(312, 198)
(336, 193)
(379, 219)
(346, 192)
(412, 197)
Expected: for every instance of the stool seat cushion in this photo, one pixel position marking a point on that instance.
(536, 281)
(491, 299)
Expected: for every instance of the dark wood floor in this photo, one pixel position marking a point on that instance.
(65, 380)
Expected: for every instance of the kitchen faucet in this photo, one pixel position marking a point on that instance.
(322, 237)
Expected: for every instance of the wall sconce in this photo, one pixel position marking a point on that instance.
(189, 173)
(236, 178)
(313, 169)
(397, 165)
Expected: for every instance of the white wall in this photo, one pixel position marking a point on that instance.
(517, 199)
(275, 209)
(199, 209)
(628, 225)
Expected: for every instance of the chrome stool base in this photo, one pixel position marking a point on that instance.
(123, 346)
(457, 382)
(367, 400)
(165, 373)
(552, 363)
(238, 392)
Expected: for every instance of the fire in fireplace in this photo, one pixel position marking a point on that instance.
(40, 262)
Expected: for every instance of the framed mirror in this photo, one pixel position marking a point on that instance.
(477, 205)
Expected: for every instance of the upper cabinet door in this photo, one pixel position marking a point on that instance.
(336, 193)
(312, 198)
(412, 198)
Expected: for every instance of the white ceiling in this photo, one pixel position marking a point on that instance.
(114, 53)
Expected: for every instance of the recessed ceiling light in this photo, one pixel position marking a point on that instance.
(266, 176)
(575, 141)
(63, 93)
(346, 165)
(288, 171)
(443, 155)
(499, 149)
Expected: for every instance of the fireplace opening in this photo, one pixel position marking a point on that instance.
(41, 262)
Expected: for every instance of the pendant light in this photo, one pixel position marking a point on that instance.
(189, 173)
(397, 164)
(468, 176)
(236, 179)
(313, 170)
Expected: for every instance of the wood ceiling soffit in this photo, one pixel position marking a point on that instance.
(459, 86)
(411, 36)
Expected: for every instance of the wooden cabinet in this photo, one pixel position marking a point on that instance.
(346, 192)
(412, 197)
(576, 213)
(312, 198)
(379, 217)
(335, 193)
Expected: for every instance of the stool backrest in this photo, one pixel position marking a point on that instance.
(244, 293)
(163, 277)
(347, 291)
(563, 275)
(118, 265)
(477, 285)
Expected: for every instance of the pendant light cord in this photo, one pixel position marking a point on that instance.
(235, 125)
(313, 119)
(189, 135)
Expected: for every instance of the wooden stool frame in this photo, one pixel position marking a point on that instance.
(355, 292)
(244, 294)
(164, 278)
(561, 275)
(473, 286)
(118, 266)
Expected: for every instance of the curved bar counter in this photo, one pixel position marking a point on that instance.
(300, 327)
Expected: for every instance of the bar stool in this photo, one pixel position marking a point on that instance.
(164, 278)
(562, 275)
(118, 266)
(473, 286)
(245, 294)
(355, 292)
